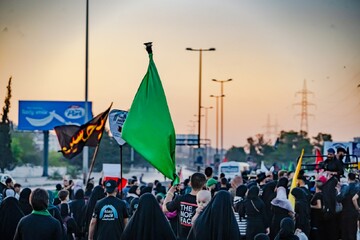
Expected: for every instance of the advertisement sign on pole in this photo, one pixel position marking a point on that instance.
(45, 115)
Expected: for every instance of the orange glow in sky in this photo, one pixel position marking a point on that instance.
(267, 47)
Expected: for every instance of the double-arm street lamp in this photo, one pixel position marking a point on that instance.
(222, 112)
(200, 50)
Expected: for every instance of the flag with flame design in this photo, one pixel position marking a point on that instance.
(72, 139)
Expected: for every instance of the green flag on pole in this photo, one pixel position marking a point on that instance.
(148, 127)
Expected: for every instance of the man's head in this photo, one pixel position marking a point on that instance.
(9, 182)
(208, 172)
(135, 182)
(58, 187)
(282, 173)
(39, 199)
(237, 181)
(340, 153)
(223, 182)
(197, 181)
(351, 177)
(261, 177)
(63, 194)
(65, 182)
(17, 188)
(110, 186)
(330, 153)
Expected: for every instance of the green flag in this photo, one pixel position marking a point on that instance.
(148, 127)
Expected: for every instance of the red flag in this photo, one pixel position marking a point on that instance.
(319, 158)
(225, 159)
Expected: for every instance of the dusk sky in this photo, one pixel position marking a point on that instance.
(268, 48)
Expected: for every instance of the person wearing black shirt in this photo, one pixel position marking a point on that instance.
(318, 227)
(110, 215)
(184, 205)
(39, 225)
(332, 165)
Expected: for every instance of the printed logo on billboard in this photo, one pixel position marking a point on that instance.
(74, 112)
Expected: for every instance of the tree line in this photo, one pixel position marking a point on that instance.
(18, 147)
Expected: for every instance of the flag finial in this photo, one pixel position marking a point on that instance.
(148, 47)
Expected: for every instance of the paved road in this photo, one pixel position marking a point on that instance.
(31, 176)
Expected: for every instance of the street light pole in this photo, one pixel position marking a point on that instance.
(206, 127)
(222, 111)
(217, 120)
(200, 50)
(86, 149)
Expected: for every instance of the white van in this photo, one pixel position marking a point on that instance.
(232, 169)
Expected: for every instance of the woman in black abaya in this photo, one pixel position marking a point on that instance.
(281, 208)
(302, 210)
(97, 194)
(10, 215)
(148, 222)
(24, 201)
(256, 214)
(77, 209)
(217, 221)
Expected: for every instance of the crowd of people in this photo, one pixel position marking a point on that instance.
(203, 206)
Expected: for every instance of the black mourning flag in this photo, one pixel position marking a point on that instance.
(72, 138)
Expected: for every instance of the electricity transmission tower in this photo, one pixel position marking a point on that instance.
(271, 129)
(304, 125)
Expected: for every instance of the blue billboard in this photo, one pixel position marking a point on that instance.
(45, 115)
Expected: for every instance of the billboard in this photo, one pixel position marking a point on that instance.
(45, 115)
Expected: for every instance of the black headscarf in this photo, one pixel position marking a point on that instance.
(148, 222)
(10, 215)
(217, 221)
(287, 229)
(24, 201)
(96, 194)
(267, 196)
(145, 190)
(133, 189)
(241, 191)
(253, 193)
